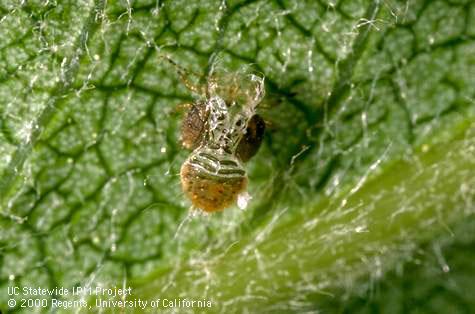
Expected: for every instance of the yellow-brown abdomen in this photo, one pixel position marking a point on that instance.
(211, 180)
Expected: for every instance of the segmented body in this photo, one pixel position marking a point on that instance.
(213, 179)
(223, 134)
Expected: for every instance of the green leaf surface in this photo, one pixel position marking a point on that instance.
(367, 167)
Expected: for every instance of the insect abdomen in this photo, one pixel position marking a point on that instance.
(212, 181)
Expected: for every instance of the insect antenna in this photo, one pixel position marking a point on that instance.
(184, 75)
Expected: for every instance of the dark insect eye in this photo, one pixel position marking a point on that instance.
(193, 125)
(251, 141)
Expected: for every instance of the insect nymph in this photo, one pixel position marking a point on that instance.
(224, 131)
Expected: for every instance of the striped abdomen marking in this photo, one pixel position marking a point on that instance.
(212, 180)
